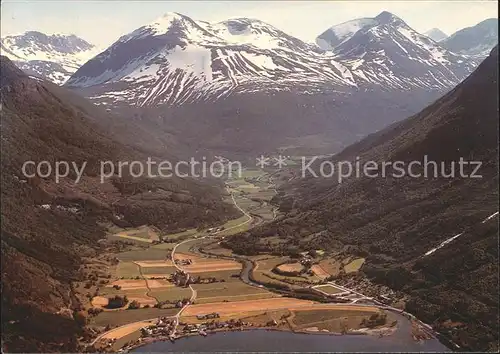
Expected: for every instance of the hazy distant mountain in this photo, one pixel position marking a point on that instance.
(176, 60)
(436, 34)
(385, 51)
(54, 57)
(260, 88)
(476, 41)
(342, 32)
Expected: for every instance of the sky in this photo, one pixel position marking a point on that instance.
(103, 22)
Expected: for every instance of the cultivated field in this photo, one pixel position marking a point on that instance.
(150, 264)
(119, 318)
(354, 265)
(291, 267)
(330, 266)
(319, 271)
(226, 275)
(244, 306)
(326, 320)
(142, 234)
(158, 271)
(127, 270)
(229, 291)
(226, 294)
(170, 294)
(201, 267)
(329, 289)
(149, 254)
(263, 273)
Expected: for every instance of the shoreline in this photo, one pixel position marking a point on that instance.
(360, 332)
(150, 340)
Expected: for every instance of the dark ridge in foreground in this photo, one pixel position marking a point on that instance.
(48, 228)
(395, 222)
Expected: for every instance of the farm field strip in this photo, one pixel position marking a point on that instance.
(354, 265)
(212, 268)
(319, 271)
(291, 267)
(126, 329)
(329, 289)
(244, 306)
(148, 264)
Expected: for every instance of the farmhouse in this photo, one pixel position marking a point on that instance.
(208, 316)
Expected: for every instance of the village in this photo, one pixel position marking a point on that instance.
(167, 328)
(190, 284)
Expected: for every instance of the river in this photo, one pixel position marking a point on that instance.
(278, 341)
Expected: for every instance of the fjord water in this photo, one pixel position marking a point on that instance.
(278, 341)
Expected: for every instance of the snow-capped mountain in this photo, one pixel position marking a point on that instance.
(53, 57)
(342, 32)
(176, 60)
(476, 41)
(385, 51)
(436, 34)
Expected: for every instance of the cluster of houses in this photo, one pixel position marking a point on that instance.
(306, 260)
(208, 316)
(181, 303)
(183, 262)
(213, 230)
(163, 327)
(181, 278)
(212, 325)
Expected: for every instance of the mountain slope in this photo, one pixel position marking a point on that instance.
(342, 32)
(48, 228)
(54, 57)
(475, 41)
(176, 60)
(388, 53)
(436, 34)
(244, 86)
(405, 227)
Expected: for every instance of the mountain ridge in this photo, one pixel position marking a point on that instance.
(436, 34)
(184, 61)
(475, 41)
(52, 57)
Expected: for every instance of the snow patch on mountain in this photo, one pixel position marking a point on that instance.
(53, 57)
(176, 60)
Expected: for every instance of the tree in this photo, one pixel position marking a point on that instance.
(80, 317)
(117, 302)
